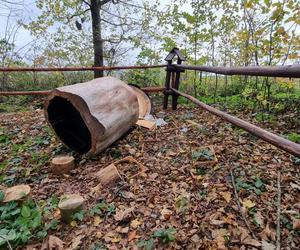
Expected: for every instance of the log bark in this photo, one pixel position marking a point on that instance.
(88, 117)
(144, 102)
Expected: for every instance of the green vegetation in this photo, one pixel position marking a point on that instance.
(165, 236)
(256, 185)
(21, 223)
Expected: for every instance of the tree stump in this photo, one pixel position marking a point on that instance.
(90, 116)
(16, 193)
(69, 205)
(62, 164)
(109, 175)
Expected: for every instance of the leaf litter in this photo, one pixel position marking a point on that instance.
(178, 202)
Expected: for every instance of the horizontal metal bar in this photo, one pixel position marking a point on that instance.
(8, 93)
(292, 71)
(286, 145)
(47, 92)
(19, 69)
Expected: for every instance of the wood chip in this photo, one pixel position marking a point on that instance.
(151, 125)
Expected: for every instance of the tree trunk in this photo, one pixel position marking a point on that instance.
(97, 39)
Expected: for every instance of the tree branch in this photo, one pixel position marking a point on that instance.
(77, 14)
(114, 24)
(86, 2)
(101, 3)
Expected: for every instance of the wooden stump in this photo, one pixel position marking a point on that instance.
(16, 193)
(90, 116)
(62, 164)
(109, 175)
(69, 205)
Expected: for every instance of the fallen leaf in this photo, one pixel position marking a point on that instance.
(295, 186)
(97, 221)
(296, 224)
(135, 223)
(246, 239)
(248, 203)
(217, 222)
(219, 236)
(75, 243)
(55, 243)
(268, 233)
(267, 246)
(226, 196)
(166, 213)
(132, 235)
(73, 223)
(259, 219)
(124, 230)
(123, 214)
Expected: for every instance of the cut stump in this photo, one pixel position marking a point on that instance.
(109, 175)
(69, 205)
(16, 193)
(62, 164)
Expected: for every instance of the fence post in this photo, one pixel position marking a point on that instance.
(167, 84)
(177, 82)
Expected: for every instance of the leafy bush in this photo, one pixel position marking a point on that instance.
(165, 235)
(204, 154)
(294, 137)
(20, 222)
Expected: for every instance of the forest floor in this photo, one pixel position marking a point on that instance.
(178, 203)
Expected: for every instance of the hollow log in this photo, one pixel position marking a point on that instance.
(88, 117)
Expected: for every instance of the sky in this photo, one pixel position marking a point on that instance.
(26, 11)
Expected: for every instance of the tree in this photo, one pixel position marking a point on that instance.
(112, 24)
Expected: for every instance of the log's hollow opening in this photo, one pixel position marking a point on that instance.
(69, 125)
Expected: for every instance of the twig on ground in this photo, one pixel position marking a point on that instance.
(278, 210)
(8, 244)
(239, 205)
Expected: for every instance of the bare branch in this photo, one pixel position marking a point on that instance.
(78, 14)
(101, 3)
(86, 2)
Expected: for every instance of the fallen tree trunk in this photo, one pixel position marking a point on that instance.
(88, 117)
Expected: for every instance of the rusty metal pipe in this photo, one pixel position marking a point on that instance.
(292, 71)
(46, 69)
(47, 92)
(286, 145)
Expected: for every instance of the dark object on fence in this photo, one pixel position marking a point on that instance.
(275, 140)
(292, 71)
(88, 117)
(47, 92)
(173, 77)
(11, 69)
